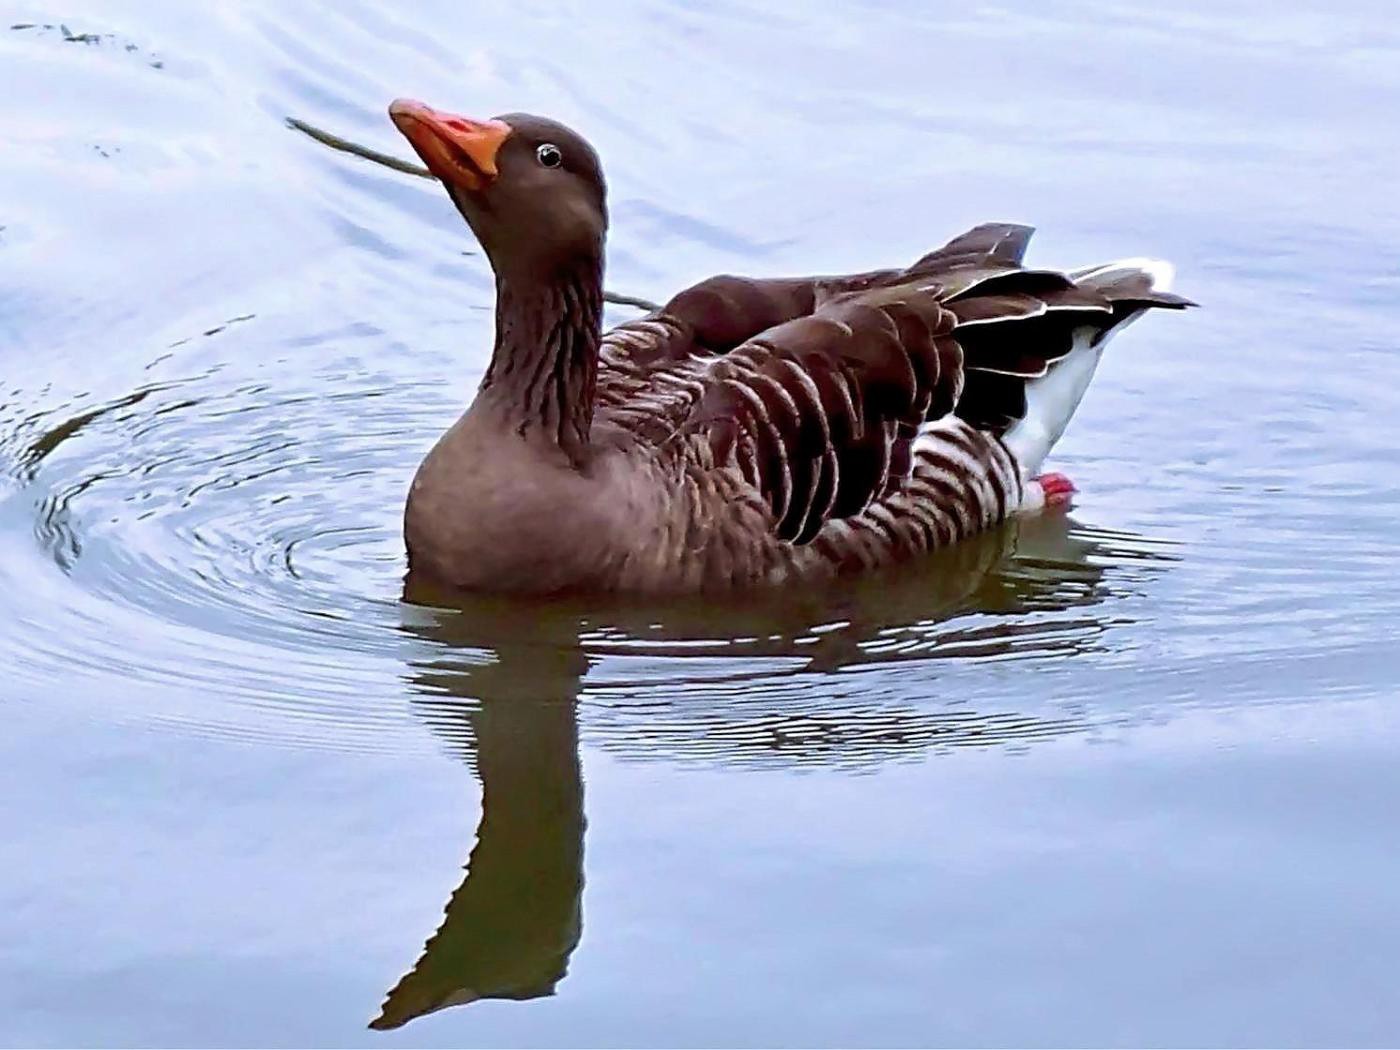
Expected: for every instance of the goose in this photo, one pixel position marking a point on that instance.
(752, 431)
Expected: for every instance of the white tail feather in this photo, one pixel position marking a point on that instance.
(1052, 399)
(1159, 271)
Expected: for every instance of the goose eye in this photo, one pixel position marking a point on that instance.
(549, 155)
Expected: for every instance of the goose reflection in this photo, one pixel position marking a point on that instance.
(503, 683)
(510, 927)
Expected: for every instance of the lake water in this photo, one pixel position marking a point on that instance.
(1120, 777)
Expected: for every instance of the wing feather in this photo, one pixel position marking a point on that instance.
(814, 389)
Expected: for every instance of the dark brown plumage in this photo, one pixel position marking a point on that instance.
(751, 431)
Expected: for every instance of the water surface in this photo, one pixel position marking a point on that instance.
(1123, 776)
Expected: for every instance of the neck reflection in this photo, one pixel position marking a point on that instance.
(510, 928)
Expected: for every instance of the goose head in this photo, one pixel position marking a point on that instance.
(531, 189)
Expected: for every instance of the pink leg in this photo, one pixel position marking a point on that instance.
(1059, 490)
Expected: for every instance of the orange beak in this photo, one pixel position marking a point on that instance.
(458, 151)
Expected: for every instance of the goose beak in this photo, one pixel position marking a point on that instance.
(459, 151)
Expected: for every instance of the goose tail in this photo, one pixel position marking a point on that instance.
(1133, 286)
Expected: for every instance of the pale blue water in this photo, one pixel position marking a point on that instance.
(1126, 777)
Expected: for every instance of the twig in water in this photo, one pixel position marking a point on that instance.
(409, 168)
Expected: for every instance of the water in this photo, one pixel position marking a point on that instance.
(1120, 777)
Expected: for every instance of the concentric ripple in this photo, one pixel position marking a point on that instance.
(209, 531)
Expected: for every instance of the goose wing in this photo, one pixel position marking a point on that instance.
(815, 388)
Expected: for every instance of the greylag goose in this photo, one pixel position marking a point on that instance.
(751, 431)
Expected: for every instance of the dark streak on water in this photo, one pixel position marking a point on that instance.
(1121, 778)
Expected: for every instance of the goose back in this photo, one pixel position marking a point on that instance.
(855, 419)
